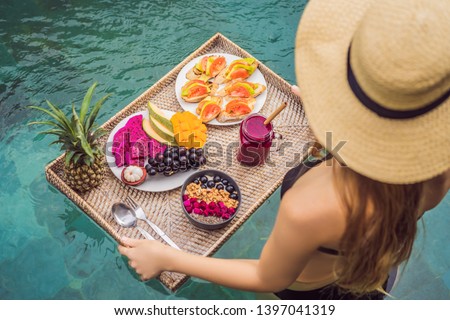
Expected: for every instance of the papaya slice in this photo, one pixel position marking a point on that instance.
(209, 112)
(239, 107)
(241, 89)
(207, 67)
(216, 66)
(195, 90)
(238, 69)
(209, 108)
(239, 74)
(201, 65)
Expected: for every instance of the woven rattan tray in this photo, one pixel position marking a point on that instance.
(164, 208)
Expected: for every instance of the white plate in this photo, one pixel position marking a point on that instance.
(257, 77)
(155, 183)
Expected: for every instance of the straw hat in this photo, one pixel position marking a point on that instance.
(376, 74)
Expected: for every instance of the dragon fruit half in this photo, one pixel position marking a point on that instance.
(131, 144)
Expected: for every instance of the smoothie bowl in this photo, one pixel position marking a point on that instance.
(210, 199)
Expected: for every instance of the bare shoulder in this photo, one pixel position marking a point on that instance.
(313, 202)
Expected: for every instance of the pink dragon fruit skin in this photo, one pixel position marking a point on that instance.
(131, 144)
(119, 157)
(118, 147)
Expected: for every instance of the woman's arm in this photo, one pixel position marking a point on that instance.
(292, 241)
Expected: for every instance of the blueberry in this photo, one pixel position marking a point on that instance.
(152, 172)
(204, 186)
(224, 182)
(160, 169)
(229, 188)
(219, 186)
(199, 152)
(183, 169)
(196, 181)
(203, 179)
(152, 162)
(210, 184)
(192, 150)
(217, 179)
(234, 196)
(148, 167)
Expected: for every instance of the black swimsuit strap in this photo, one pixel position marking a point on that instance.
(293, 175)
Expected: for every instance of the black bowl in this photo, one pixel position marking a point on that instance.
(211, 173)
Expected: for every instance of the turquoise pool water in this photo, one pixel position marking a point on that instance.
(54, 50)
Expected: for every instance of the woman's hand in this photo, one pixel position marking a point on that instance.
(147, 257)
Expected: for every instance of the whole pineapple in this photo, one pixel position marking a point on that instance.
(79, 136)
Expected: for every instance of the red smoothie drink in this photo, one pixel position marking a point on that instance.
(255, 140)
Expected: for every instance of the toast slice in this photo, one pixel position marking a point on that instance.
(241, 89)
(206, 68)
(238, 69)
(195, 90)
(237, 109)
(209, 108)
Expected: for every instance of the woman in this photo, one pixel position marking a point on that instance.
(376, 74)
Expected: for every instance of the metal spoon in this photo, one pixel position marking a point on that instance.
(126, 217)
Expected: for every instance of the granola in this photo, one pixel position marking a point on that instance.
(194, 190)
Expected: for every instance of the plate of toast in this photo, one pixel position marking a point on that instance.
(221, 89)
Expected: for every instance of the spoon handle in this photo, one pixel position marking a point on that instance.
(145, 233)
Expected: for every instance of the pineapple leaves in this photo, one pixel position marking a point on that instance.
(51, 114)
(63, 119)
(69, 156)
(55, 132)
(91, 119)
(89, 161)
(56, 142)
(80, 134)
(76, 157)
(48, 123)
(86, 102)
(76, 133)
(100, 132)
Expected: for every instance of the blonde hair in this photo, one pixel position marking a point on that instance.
(380, 230)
